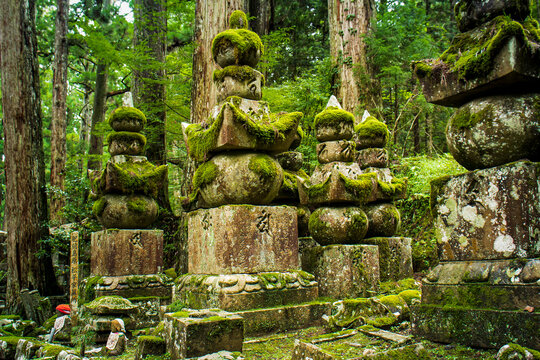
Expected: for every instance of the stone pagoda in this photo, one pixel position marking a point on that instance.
(126, 257)
(485, 290)
(345, 263)
(242, 251)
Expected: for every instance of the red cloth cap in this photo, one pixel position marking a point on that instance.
(63, 308)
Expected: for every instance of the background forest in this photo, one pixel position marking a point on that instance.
(109, 48)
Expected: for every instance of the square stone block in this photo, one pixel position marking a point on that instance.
(344, 271)
(196, 333)
(395, 257)
(242, 239)
(126, 252)
(488, 214)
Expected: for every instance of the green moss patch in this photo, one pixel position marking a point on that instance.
(264, 166)
(471, 54)
(240, 73)
(463, 118)
(126, 113)
(397, 187)
(138, 177)
(372, 128)
(243, 40)
(361, 187)
(205, 174)
(126, 136)
(99, 206)
(138, 205)
(238, 20)
(333, 117)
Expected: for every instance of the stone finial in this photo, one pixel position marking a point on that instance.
(238, 20)
(333, 102)
(365, 116)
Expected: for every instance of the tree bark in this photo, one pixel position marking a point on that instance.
(429, 135)
(416, 135)
(26, 202)
(349, 21)
(211, 17)
(261, 11)
(95, 150)
(150, 35)
(59, 112)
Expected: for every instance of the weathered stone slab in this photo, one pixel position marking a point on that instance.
(285, 318)
(149, 345)
(126, 252)
(503, 297)
(493, 272)
(476, 327)
(395, 257)
(242, 239)
(246, 291)
(372, 157)
(131, 286)
(496, 130)
(304, 351)
(488, 214)
(340, 150)
(387, 335)
(192, 334)
(344, 271)
(513, 72)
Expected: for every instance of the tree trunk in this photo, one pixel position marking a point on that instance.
(95, 151)
(261, 10)
(26, 202)
(211, 17)
(150, 35)
(416, 135)
(59, 112)
(429, 135)
(349, 21)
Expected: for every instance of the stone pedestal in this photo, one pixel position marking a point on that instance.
(197, 333)
(238, 239)
(246, 291)
(126, 252)
(344, 271)
(395, 257)
(487, 225)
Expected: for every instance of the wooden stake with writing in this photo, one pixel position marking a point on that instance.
(74, 276)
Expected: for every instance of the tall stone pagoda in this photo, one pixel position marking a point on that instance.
(485, 292)
(242, 251)
(354, 220)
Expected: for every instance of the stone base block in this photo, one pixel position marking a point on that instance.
(488, 214)
(137, 286)
(395, 257)
(126, 252)
(246, 291)
(344, 271)
(197, 333)
(476, 327)
(236, 239)
(285, 318)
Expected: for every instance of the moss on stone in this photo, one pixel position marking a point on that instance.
(264, 166)
(318, 191)
(243, 40)
(421, 69)
(409, 295)
(471, 54)
(372, 128)
(237, 72)
(437, 185)
(463, 119)
(382, 321)
(238, 20)
(151, 339)
(171, 273)
(510, 352)
(99, 206)
(89, 290)
(51, 350)
(138, 205)
(126, 136)
(127, 113)
(112, 302)
(361, 187)
(395, 188)
(205, 174)
(333, 117)
(139, 177)
(359, 224)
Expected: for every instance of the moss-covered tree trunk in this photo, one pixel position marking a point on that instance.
(211, 17)
(26, 203)
(150, 35)
(59, 112)
(349, 21)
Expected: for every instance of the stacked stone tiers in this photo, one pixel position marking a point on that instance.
(242, 249)
(487, 225)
